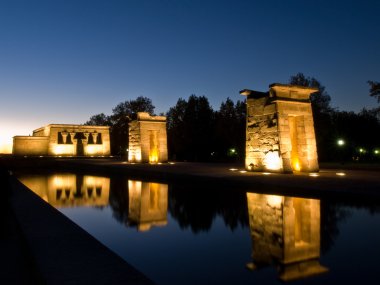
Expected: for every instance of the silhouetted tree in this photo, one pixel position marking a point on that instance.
(230, 130)
(359, 130)
(175, 126)
(121, 115)
(196, 207)
(190, 129)
(99, 120)
(374, 90)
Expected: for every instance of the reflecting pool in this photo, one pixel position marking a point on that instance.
(187, 234)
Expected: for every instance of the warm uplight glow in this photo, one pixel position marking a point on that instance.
(93, 149)
(243, 171)
(153, 157)
(314, 174)
(341, 142)
(153, 153)
(266, 173)
(59, 149)
(272, 160)
(134, 156)
(171, 163)
(340, 173)
(274, 200)
(297, 166)
(233, 169)
(294, 143)
(63, 149)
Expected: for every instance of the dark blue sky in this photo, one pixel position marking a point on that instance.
(62, 61)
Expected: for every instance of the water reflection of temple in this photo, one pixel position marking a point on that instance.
(285, 232)
(69, 190)
(148, 204)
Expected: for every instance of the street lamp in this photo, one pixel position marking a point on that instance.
(341, 142)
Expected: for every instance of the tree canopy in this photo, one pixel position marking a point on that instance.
(198, 133)
(374, 90)
(121, 115)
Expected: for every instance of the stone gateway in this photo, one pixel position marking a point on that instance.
(280, 130)
(148, 139)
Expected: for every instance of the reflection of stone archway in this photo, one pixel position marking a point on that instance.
(285, 231)
(148, 204)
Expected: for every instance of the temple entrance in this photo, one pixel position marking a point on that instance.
(80, 149)
(294, 142)
(153, 149)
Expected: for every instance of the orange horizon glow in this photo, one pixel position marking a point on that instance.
(6, 141)
(8, 131)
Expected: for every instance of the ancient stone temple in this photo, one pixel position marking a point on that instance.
(280, 130)
(148, 139)
(148, 204)
(64, 140)
(285, 232)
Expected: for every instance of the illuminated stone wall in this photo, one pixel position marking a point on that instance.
(28, 145)
(65, 140)
(148, 204)
(280, 130)
(148, 139)
(285, 231)
(69, 190)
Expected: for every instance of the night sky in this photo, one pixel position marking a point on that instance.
(62, 61)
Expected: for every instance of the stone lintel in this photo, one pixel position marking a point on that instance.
(144, 116)
(291, 91)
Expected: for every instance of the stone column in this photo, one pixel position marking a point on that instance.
(72, 135)
(64, 136)
(75, 142)
(94, 137)
(85, 140)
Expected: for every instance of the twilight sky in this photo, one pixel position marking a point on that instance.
(62, 61)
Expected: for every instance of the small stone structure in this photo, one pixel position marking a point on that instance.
(64, 140)
(285, 231)
(148, 139)
(280, 130)
(148, 204)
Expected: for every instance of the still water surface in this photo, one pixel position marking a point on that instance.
(184, 234)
